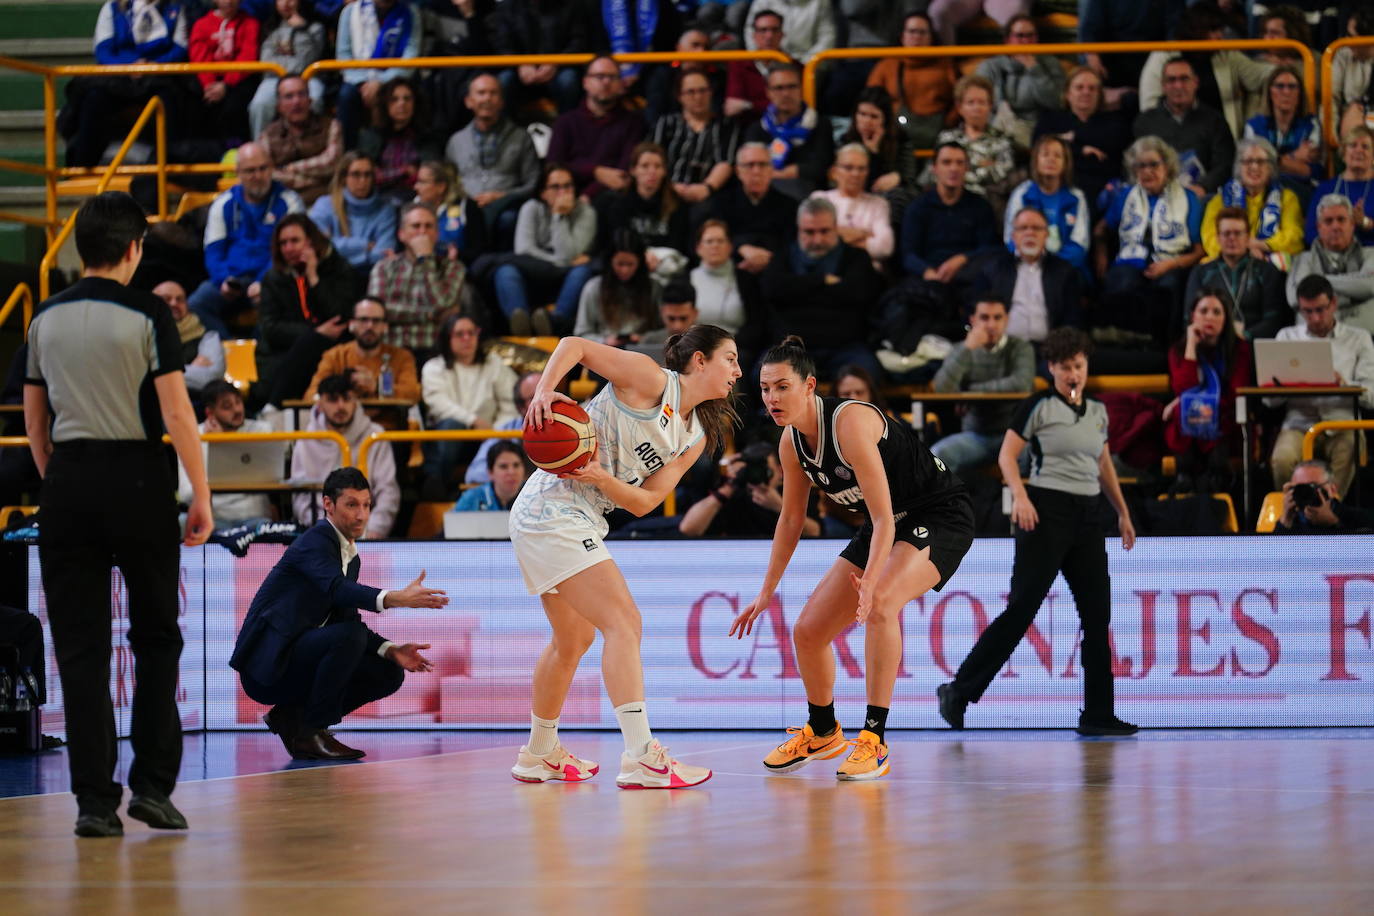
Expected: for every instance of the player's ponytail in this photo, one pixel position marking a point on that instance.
(792, 351)
(717, 416)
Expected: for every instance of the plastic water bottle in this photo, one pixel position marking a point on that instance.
(386, 382)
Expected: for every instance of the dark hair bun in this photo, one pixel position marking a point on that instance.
(792, 340)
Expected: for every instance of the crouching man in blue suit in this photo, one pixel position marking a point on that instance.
(304, 648)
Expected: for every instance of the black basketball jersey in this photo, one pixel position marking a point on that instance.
(916, 479)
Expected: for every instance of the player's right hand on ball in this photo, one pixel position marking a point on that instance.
(541, 407)
(744, 623)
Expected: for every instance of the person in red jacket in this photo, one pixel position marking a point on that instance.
(224, 35)
(1205, 369)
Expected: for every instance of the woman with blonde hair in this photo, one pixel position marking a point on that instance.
(360, 223)
(462, 227)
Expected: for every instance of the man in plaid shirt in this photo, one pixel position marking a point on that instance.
(419, 285)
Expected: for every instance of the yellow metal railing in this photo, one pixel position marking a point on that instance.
(345, 453)
(1309, 440)
(1330, 118)
(518, 60)
(22, 294)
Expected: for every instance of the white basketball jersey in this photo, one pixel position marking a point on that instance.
(632, 444)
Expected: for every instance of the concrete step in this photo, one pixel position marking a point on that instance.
(39, 48)
(33, 155)
(21, 91)
(50, 18)
(21, 120)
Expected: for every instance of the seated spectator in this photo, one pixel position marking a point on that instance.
(662, 86)
(462, 227)
(948, 15)
(293, 43)
(554, 240)
(760, 217)
(823, 290)
(1285, 123)
(306, 297)
(224, 413)
(595, 138)
(495, 158)
(1229, 82)
(699, 146)
(891, 161)
(539, 27)
(1023, 85)
(853, 383)
(746, 81)
(948, 224)
(1250, 288)
(524, 392)
(720, 298)
(1205, 369)
(617, 307)
(650, 207)
(360, 222)
(799, 142)
(677, 311)
(1097, 138)
(464, 387)
(1158, 226)
(367, 359)
(1042, 290)
(923, 87)
(1273, 210)
(225, 35)
(238, 238)
(1050, 190)
(1352, 355)
(127, 32)
(990, 160)
(650, 25)
(748, 500)
(1338, 256)
(1321, 510)
(1280, 22)
(201, 348)
(304, 145)
(368, 30)
(859, 24)
(988, 359)
(336, 410)
(810, 26)
(864, 218)
(1352, 75)
(399, 137)
(506, 468)
(1202, 140)
(418, 288)
(1355, 183)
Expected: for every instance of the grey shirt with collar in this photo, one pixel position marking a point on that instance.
(503, 159)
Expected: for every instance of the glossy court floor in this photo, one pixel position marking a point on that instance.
(982, 822)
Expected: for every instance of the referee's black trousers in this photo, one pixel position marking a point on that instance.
(1067, 538)
(107, 504)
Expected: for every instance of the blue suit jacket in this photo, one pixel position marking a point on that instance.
(304, 589)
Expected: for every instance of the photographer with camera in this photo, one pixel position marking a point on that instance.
(748, 500)
(1312, 505)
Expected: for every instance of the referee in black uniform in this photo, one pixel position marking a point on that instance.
(104, 376)
(1057, 530)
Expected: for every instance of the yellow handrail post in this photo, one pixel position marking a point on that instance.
(1326, 114)
(431, 435)
(50, 152)
(1309, 439)
(161, 128)
(23, 294)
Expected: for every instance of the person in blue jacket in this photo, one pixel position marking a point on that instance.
(506, 467)
(360, 222)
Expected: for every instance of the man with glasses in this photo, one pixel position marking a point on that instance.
(1352, 356)
(594, 139)
(1206, 147)
(368, 355)
(1251, 289)
(746, 81)
(238, 238)
(799, 142)
(1027, 83)
(1338, 256)
(810, 26)
(1042, 290)
(762, 220)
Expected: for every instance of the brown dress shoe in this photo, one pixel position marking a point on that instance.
(320, 745)
(284, 722)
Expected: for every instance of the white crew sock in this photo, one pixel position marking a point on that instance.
(634, 727)
(543, 735)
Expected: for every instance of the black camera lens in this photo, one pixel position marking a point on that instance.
(1306, 494)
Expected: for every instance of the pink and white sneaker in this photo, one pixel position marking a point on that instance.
(556, 764)
(656, 770)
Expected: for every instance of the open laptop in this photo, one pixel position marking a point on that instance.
(1294, 362)
(477, 526)
(240, 463)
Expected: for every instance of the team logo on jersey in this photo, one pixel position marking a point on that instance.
(588, 545)
(822, 479)
(842, 473)
(920, 532)
(938, 463)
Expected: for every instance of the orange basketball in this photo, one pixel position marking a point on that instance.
(566, 442)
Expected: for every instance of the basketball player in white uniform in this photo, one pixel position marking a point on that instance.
(651, 426)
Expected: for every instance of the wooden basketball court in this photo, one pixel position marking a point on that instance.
(1190, 822)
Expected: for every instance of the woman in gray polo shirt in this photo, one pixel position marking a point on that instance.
(1055, 515)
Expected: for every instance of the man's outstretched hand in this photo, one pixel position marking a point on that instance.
(408, 656)
(417, 594)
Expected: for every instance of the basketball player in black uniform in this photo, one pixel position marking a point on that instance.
(920, 525)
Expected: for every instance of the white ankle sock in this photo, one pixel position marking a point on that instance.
(543, 735)
(634, 727)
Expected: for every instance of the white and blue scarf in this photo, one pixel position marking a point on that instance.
(788, 134)
(1233, 195)
(1167, 222)
(630, 33)
(387, 38)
